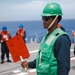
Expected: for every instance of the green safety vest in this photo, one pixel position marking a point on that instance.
(46, 63)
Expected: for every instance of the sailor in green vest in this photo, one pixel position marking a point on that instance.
(54, 52)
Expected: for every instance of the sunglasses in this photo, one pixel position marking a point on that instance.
(46, 18)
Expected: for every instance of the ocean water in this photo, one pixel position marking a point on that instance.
(34, 29)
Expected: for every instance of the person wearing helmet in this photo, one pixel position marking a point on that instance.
(5, 35)
(54, 52)
(59, 26)
(73, 34)
(21, 32)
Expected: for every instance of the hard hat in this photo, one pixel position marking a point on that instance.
(4, 28)
(21, 26)
(52, 9)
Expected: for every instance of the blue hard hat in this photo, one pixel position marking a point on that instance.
(21, 26)
(4, 28)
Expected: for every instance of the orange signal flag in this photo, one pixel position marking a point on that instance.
(17, 48)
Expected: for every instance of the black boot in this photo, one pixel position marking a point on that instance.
(2, 61)
(9, 60)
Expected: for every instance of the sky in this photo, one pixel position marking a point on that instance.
(22, 10)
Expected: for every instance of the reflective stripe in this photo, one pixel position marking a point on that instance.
(48, 42)
(40, 58)
(5, 36)
(21, 32)
(43, 39)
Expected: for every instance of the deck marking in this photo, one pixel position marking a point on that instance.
(32, 70)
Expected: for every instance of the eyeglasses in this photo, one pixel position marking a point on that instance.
(46, 18)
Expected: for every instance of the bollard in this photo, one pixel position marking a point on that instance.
(31, 40)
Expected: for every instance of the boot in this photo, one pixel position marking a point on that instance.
(9, 60)
(2, 61)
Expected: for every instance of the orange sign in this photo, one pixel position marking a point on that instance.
(17, 48)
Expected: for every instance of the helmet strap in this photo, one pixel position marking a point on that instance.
(52, 22)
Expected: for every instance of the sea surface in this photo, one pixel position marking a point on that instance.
(34, 29)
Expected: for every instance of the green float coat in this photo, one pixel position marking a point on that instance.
(46, 63)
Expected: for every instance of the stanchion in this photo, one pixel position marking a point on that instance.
(73, 33)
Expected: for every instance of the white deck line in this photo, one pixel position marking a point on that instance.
(72, 49)
(33, 51)
(73, 58)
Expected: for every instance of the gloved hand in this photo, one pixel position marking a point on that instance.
(24, 64)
